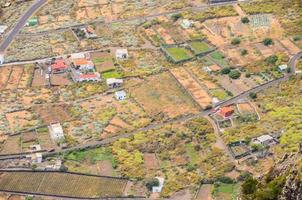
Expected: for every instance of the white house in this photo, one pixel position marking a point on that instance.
(159, 188)
(282, 68)
(2, 29)
(186, 24)
(1, 58)
(114, 82)
(121, 54)
(265, 140)
(120, 95)
(56, 132)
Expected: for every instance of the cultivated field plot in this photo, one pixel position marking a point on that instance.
(53, 113)
(151, 161)
(219, 59)
(245, 108)
(200, 47)
(178, 54)
(4, 75)
(21, 120)
(60, 79)
(199, 94)
(103, 61)
(62, 184)
(11, 145)
(14, 77)
(161, 94)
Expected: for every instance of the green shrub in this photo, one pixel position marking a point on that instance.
(245, 20)
(243, 52)
(176, 16)
(225, 70)
(234, 74)
(235, 41)
(152, 182)
(253, 95)
(268, 41)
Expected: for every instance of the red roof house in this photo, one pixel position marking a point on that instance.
(226, 111)
(59, 66)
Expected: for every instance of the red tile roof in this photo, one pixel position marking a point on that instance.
(87, 76)
(59, 64)
(226, 111)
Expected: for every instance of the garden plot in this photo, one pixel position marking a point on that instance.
(290, 46)
(142, 63)
(54, 183)
(198, 93)
(53, 113)
(160, 95)
(177, 54)
(11, 145)
(200, 47)
(151, 162)
(60, 79)
(4, 76)
(245, 108)
(38, 95)
(27, 76)
(44, 139)
(234, 86)
(219, 59)
(21, 120)
(105, 117)
(103, 61)
(15, 77)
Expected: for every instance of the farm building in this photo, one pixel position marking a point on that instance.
(1, 58)
(159, 188)
(120, 95)
(226, 111)
(89, 77)
(114, 82)
(2, 29)
(221, 1)
(186, 24)
(282, 68)
(59, 66)
(56, 131)
(265, 140)
(121, 54)
(83, 64)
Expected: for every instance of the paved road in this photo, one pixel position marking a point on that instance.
(20, 24)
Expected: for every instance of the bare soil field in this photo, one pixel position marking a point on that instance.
(15, 77)
(105, 168)
(151, 162)
(199, 94)
(21, 120)
(39, 78)
(53, 113)
(245, 108)
(4, 76)
(60, 80)
(11, 145)
(161, 94)
(205, 192)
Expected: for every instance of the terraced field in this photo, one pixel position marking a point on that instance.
(62, 184)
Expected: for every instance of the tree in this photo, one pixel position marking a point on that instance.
(225, 70)
(249, 186)
(235, 41)
(150, 183)
(268, 41)
(253, 95)
(245, 20)
(234, 74)
(271, 60)
(243, 52)
(176, 16)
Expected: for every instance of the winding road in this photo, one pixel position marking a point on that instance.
(20, 24)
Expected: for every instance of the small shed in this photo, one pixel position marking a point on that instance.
(2, 29)
(186, 24)
(120, 95)
(121, 54)
(159, 188)
(283, 68)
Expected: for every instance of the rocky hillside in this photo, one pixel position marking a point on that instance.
(283, 182)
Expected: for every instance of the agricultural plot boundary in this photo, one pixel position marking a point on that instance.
(80, 177)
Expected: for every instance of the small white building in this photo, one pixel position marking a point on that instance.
(2, 29)
(121, 54)
(185, 23)
(283, 68)
(120, 95)
(114, 82)
(83, 64)
(159, 188)
(265, 140)
(56, 132)
(1, 58)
